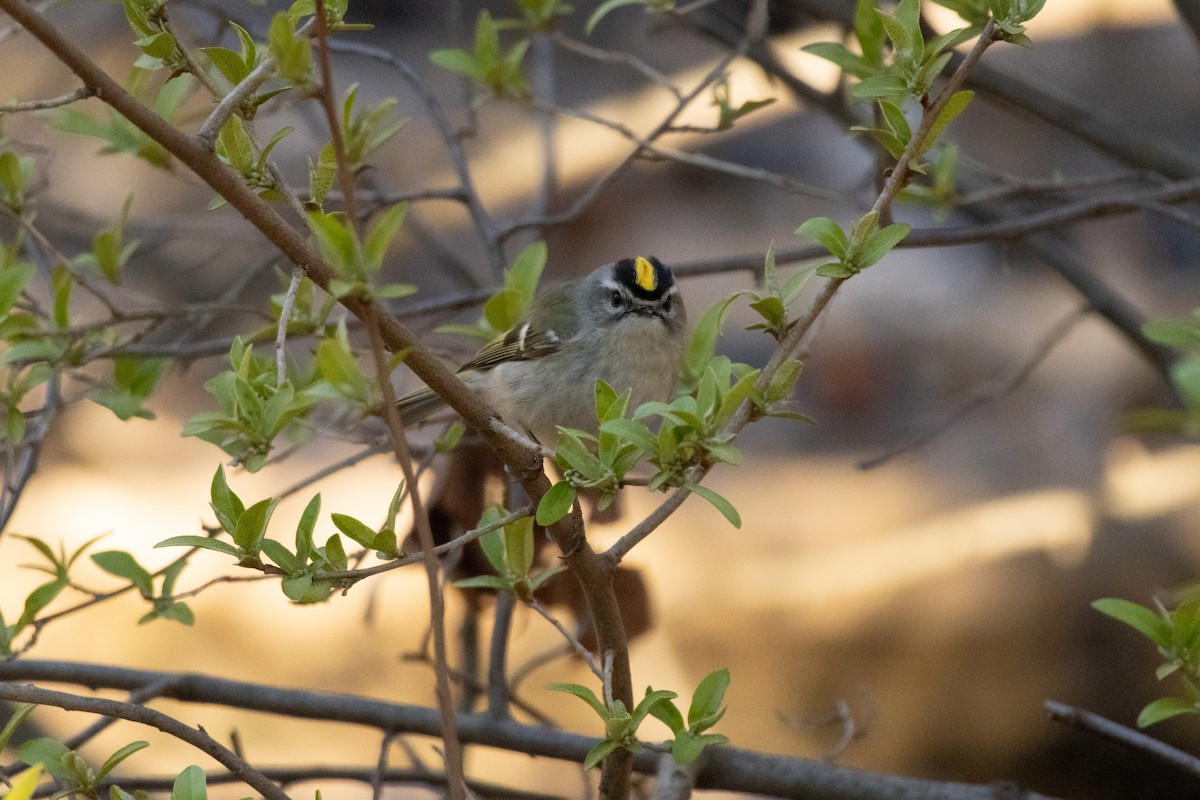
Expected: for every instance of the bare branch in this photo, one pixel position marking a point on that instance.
(1114, 732)
(155, 719)
(50, 102)
(730, 768)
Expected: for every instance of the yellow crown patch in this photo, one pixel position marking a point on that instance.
(646, 277)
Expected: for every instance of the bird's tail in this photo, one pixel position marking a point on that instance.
(417, 405)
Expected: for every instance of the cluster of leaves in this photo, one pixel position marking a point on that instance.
(159, 48)
(301, 569)
(119, 134)
(690, 738)
(498, 70)
(1185, 376)
(1176, 633)
(512, 302)
(75, 776)
(608, 6)
(357, 260)
(253, 407)
(727, 112)
(163, 604)
(510, 550)
(40, 342)
(60, 570)
(863, 247)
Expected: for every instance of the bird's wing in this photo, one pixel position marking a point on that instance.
(535, 338)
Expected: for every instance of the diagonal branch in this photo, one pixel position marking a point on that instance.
(155, 719)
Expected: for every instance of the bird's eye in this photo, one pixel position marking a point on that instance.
(616, 299)
(668, 303)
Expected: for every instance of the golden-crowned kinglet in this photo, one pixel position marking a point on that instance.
(624, 323)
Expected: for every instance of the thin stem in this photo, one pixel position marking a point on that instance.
(437, 602)
(327, 97)
(155, 719)
(1114, 732)
(570, 638)
(285, 316)
(49, 102)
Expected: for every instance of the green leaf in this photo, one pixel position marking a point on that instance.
(878, 86)
(1165, 708)
(837, 53)
(536, 581)
(957, 104)
(647, 704)
(708, 699)
(1140, 618)
(283, 557)
(703, 343)
(605, 746)
(123, 565)
(252, 525)
(526, 270)
(828, 233)
(237, 145)
(19, 713)
(358, 531)
(572, 453)
(492, 542)
(381, 233)
(485, 582)
(783, 381)
(202, 542)
(450, 437)
(13, 280)
(460, 61)
(304, 529)
(720, 503)
(228, 63)
(583, 693)
(335, 554)
(556, 503)
(191, 784)
(603, 10)
(519, 546)
(116, 758)
(38, 599)
(225, 503)
(632, 431)
(46, 752)
(880, 244)
(1174, 332)
(668, 714)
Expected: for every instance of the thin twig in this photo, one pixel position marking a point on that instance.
(49, 102)
(155, 719)
(569, 637)
(437, 603)
(1114, 732)
(285, 316)
(328, 96)
(1043, 348)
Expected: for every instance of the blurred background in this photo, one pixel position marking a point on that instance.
(922, 609)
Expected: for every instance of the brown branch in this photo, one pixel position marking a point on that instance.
(49, 102)
(728, 768)
(437, 601)
(327, 96)
(1114, 732)
(155, 719)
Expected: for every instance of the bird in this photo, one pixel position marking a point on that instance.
(623, 323)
